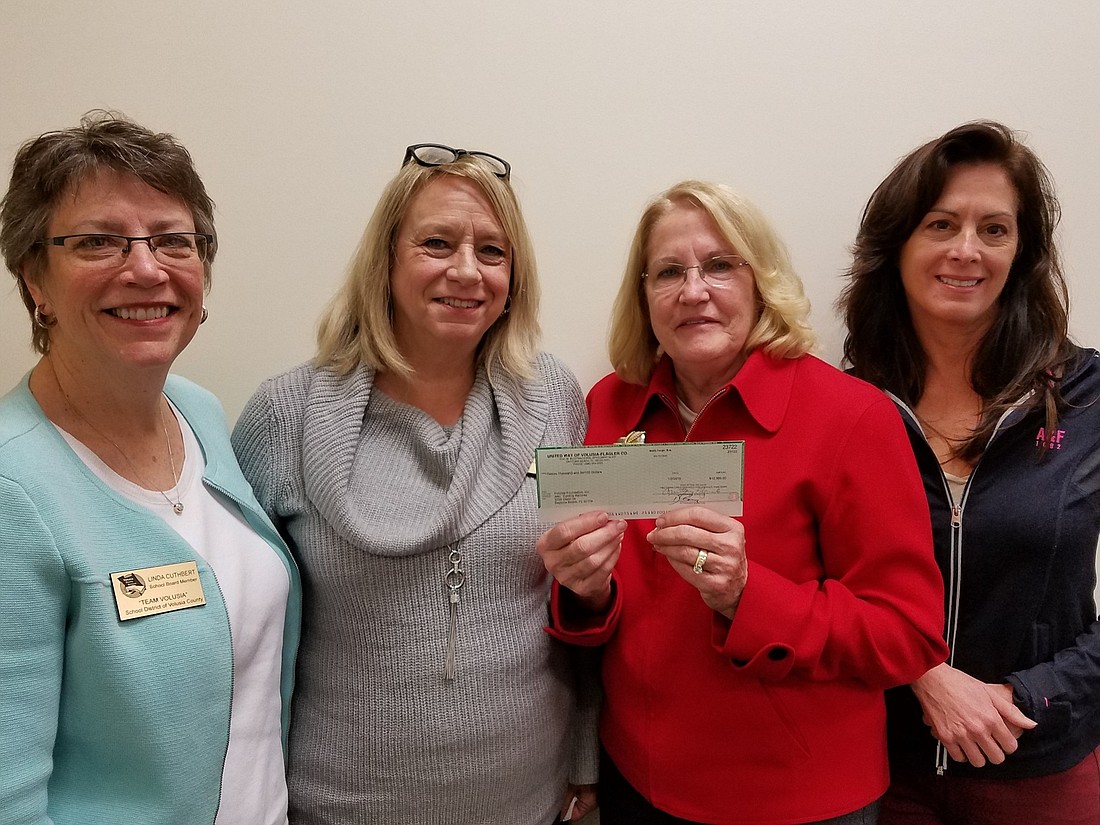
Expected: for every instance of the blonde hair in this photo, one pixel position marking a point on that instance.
(781, 328)
(356, 329)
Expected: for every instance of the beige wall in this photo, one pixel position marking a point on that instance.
(298, 112)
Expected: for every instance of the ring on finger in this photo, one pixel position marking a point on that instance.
(700, 560)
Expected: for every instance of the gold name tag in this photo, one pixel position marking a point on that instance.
(156, 590)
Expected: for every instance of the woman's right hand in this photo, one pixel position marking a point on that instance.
(975, 721)
(581, 552)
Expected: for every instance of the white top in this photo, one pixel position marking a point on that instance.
(255, 587)
(956, 484)
(687, 414)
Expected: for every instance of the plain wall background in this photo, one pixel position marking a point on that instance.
(298, 113)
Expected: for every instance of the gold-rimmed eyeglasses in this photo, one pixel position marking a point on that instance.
(716, 272)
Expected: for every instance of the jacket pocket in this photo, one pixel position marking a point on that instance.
(786, 745)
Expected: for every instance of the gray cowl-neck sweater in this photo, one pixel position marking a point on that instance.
(373, 497)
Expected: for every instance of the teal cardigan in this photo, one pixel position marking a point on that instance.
(103, 720)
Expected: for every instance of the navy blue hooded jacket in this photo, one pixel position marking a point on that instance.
(1018, 558)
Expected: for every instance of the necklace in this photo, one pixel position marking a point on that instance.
(177, 505)
(454, 580)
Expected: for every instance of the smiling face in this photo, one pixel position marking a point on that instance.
(956, 263)
(140, 313)
(702, 328)
(451, 271)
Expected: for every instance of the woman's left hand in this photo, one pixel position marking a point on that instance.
(684, 534)
(976, 722)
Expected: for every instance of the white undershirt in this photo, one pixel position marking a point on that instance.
(956, 484)
(687, 414)
(255, 586)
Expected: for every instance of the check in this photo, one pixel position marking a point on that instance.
(640, 480)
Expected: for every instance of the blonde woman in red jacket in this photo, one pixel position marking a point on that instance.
(745, 659)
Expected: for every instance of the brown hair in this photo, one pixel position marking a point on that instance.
(1027, 347)
(52, 164)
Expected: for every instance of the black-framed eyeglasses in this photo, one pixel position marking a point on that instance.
(99, 249)
(436, 154)
(716, 272)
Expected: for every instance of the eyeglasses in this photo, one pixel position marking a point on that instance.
(436, 154)
(716, 272)
(101, 250)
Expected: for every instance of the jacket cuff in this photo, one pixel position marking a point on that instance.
(1037, 692)
(571, 624)
(750, 641)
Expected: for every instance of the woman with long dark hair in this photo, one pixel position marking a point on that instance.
(956, 305)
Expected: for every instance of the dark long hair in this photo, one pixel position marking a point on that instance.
(1028, 346)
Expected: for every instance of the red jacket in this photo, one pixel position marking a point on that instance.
(779, 716)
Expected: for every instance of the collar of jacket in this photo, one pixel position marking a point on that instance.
(763, 384)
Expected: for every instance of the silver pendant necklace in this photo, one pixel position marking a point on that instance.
(454, 580)
(177, 505)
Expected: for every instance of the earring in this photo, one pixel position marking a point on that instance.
(41, 319)
(204, 316)
(507, 305)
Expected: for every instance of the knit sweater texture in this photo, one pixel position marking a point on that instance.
(375, 499)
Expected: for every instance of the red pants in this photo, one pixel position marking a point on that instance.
(1071, 797)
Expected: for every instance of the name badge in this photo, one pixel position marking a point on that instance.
(154, 590)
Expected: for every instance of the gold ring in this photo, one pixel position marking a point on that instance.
(700, 560)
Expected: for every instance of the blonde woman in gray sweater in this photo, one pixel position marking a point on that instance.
(396, 465)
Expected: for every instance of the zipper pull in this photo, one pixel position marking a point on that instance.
(454, 580)
(956, 515)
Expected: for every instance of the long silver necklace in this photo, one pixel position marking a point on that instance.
(454, 580)
(177, 505)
